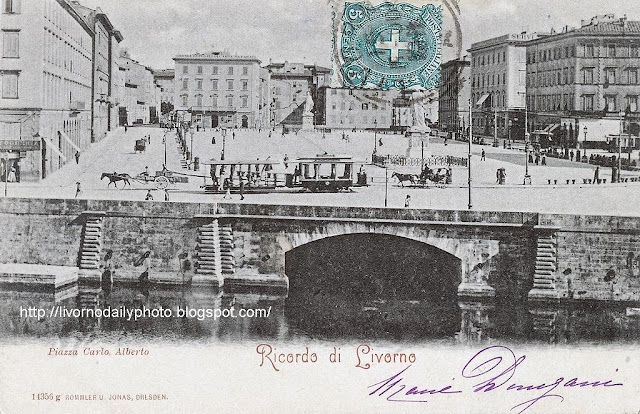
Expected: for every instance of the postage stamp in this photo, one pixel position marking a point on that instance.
(389, 46)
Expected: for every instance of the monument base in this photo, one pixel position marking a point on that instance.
(418, 145)
(307, 122)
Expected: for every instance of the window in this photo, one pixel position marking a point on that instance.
(230, 70)
(610, 75)
(185, 69)
(199, 70)
(11, 6)
(587, 76)
(587, 102)
(10, 44)
(565, 75)
(632, 103)
(214, 84)
(589, 51)
(230, 84)
(634, 51)
(198, 100)
(10, 85)
(185, 84)
(245, 85)
(199, 84)
(230, 101)
(245, 70)
(245, 101)
(632, 76)
(215, 70)
(611, 50)
(610, 103)
(184, 100)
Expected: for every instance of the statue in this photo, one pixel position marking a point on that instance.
(417, 111)
(308, 104)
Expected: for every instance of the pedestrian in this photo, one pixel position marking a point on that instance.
(241, 189)
(530, 158)
(269, 134)
(407, 201)
(125, 129)
(149, 196)
(578, 159)
(483, 156)
(379, 142)
(544, 159)
(233, 135)
(166, 195)
(596, 175)
(286, 161)
(78, 190)
(227, 186)
(12, 174)
(213, 140)
(17, 166)
(77, 155)
(537, 159)
(571, 154)
(146, 170)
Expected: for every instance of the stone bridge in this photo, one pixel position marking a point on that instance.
(501, 254)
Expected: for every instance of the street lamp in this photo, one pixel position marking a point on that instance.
(375, 136)
(191, 152)
(224, 142)
(386, 182)
(620, 145)
(584, 143)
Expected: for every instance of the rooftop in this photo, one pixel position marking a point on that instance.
(216, 56)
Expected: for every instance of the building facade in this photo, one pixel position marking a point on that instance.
(455, 95)
(585, 73)
(139, 103)
(355, 108)
(218, 90)
(106, 41)
(498, 79)
(46, 83)
(290, 84)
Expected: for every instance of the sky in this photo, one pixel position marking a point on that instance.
(300, 30)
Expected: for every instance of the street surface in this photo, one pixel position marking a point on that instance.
(116, 154)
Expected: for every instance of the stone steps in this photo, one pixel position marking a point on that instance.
(546, 263)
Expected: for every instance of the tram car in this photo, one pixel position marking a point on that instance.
(326, 172)
(320, 173)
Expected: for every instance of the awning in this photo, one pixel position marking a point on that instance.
(66, 137)
(482, 99)
(54, 148)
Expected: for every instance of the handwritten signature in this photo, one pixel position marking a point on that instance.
(493, 368)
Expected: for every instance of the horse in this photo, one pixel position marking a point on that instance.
(115, 177)
(404, 177)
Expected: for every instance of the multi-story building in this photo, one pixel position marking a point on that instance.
(46, 77)
(165, 80)
(290, 84)
(218, 89)
(584, 73)
(139, 104)
(455, 95)
(105, 50)
(498, 80)
(355, 108)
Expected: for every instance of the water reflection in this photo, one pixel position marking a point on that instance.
(335, 317)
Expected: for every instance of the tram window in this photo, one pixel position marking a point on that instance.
(347, 171)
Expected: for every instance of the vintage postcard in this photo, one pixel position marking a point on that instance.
(319, 206)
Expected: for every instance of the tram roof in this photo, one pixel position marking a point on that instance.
(242, 162)
(326, 158)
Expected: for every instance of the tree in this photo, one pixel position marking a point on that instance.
(166, 107)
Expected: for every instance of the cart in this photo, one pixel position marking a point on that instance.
(162, 179)
(141, 145)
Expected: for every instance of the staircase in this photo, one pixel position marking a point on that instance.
(209, 262)
(544, 285)
(91, 243)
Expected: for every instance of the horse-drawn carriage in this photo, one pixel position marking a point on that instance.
(162, 179)
(440, 177)
(141, 145)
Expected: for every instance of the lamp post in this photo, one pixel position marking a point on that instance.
(224, 142)
(584, 143)
(375, 136)
(469, 155)
(6, 173)
(191, 147)
(620, 145)
(386, 182)
(164, 141)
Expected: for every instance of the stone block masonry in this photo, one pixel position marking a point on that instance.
(513, 256)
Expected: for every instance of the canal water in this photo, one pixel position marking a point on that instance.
(304, 315)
